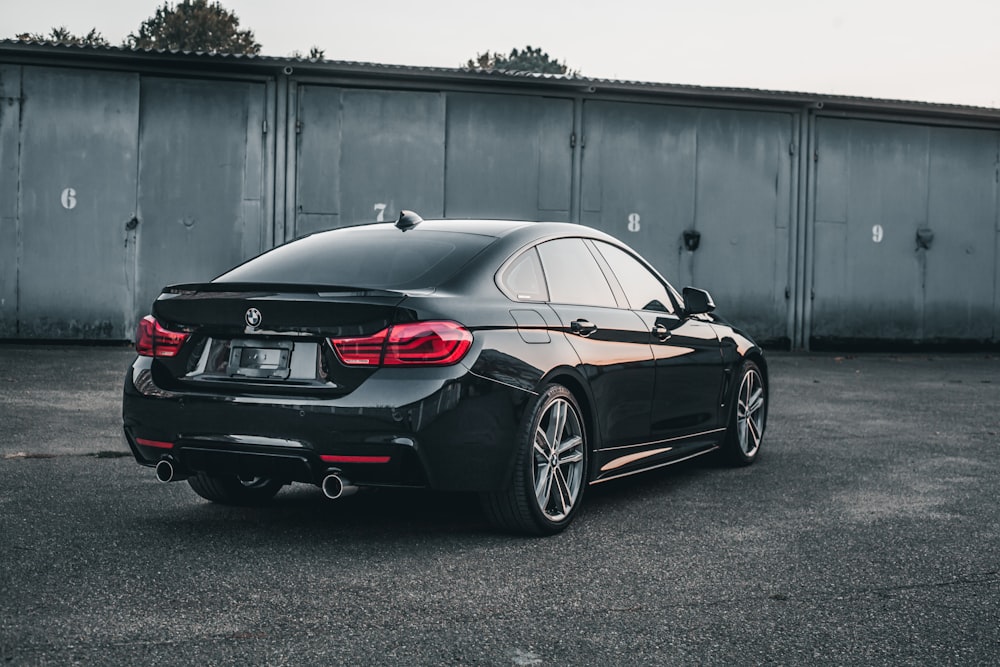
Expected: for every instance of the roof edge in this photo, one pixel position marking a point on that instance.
(577, 85)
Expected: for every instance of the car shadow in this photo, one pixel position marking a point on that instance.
(302, 511)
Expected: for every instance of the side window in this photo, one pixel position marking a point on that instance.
(573, 275)
(523, 279)
(643, 290)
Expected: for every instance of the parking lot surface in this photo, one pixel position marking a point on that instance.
(867, 533)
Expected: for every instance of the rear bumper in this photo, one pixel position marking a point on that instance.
(451, 430)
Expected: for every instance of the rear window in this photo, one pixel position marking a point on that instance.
(381, 257)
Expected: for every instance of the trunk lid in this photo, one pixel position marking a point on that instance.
(267, 338)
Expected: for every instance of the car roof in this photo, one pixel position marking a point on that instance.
(522, 230)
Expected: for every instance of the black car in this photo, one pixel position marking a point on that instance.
(520, 360)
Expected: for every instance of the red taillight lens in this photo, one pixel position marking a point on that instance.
(366, 351)
(153, 340)
(437, 343)
(426, 343)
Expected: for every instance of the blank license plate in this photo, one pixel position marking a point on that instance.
(258, 361)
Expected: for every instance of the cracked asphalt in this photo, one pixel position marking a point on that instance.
(867, 533)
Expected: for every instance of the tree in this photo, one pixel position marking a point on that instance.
(193, 25)
(61, 35)
(528, 60)
(315, 53)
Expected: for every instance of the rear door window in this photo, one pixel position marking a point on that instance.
(643, 289)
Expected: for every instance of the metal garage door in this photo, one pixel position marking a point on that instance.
(509, 157)
(365, 154)
(200, 181)
(10, 122)
(905, 232)
(705, 194)
(77, 193)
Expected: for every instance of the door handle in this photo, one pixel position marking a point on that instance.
(582, 327)
(661, 332)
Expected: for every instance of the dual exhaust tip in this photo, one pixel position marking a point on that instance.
(334, 486)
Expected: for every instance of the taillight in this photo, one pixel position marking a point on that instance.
(153, 340)
(436, 343)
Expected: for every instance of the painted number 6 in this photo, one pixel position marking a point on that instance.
(68, 199)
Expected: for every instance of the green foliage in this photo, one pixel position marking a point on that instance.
(528, 60)
(61, 35)
(193, 25)
(315, 53)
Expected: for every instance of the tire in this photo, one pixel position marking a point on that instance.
(232, 490)
(547, 485)
(748, 419)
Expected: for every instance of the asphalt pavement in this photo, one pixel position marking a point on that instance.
(868, 532)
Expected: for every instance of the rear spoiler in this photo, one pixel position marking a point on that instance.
(277, 288)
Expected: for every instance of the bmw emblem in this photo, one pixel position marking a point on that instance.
(253, 318)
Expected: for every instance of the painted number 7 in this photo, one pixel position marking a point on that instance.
(380, 209)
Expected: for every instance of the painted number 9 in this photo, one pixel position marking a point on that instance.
(68, 199)
(877, 233)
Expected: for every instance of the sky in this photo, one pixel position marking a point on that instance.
(917, 50)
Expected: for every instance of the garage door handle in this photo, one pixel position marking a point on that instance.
(661, 332)
(582, 327)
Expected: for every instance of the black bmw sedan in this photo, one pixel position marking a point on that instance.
(523, 361)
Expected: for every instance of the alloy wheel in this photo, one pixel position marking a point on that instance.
(750, 413)
(559, 459)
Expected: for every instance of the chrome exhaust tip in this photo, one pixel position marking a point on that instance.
(334, 487)
(166, 472)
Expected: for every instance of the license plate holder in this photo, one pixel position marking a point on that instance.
(264, 360)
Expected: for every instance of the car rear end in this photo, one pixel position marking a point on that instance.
(255, 376)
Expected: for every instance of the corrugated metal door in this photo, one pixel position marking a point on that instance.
(10, 123)
(78, 175)
(365, 154)
(200, 181)
(706, 195)
(958, 268)
(904, 234)
(509, 157)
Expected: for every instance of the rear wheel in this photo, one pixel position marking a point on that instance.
(550, 471)
(233, 489)
(749, 416)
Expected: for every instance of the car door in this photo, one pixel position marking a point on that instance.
(612, 342)
(685, 413)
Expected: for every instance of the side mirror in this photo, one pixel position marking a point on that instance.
(697, 301)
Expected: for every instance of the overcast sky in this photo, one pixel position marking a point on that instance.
(897, 49)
